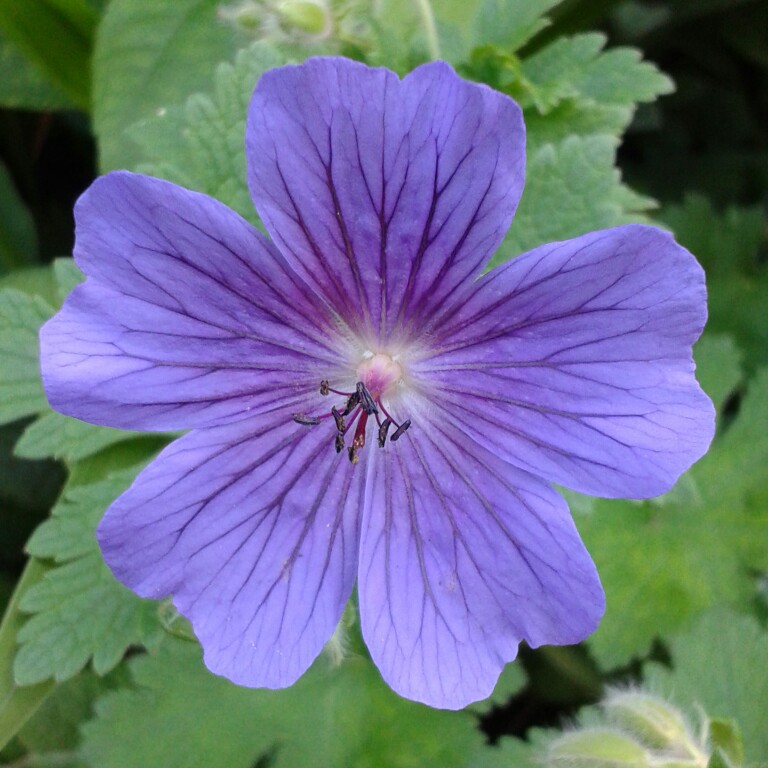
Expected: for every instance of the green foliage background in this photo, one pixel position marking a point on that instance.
(637, 110)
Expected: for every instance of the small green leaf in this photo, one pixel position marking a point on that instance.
(21, 391)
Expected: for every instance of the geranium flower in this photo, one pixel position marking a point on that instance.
(364, 407)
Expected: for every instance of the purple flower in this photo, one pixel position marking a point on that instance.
(300, 362)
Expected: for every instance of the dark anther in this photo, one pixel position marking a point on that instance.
(325, 387)
(383, 429)
(304, 420)
(400, 430)
(352, 402)
(352, 452)
(339, 442)
(338, 418)
(366, 401)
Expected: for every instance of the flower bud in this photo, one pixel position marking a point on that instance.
(310, 17)
(596, 748)
(654, 721)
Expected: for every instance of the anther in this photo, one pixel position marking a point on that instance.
(400, 430)
(325, 387)
(352, 453)
(383, 429)
(339, 442)
(304, 420)
(338, 418)
(352, 402)
(365, 398)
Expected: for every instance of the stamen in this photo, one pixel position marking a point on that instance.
(360, 405)
(383, 429)
(365, 398)
(339, 419)
(400, 430)
(352, 402)
(304, 420)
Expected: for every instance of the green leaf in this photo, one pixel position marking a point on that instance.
(21, 391)
(510, 682)
(202, 144)
(406, 33)
(729, 245)
(725, 735)
(61, 437)
(578, 179)
(577, 68)
(23, 86)
(56, 36)
(718, 366)
(719, 665)
(663, 561)
(343, 715)
(149, 56)
(79, 611)
(18, 238)
(17, 704)
(55, 725)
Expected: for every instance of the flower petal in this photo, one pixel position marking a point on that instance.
(253, 529)
(383, 194)
(574, 362)
(462, 557)
(189, 316)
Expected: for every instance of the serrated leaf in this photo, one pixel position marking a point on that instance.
(718, 666)
(333, 716)
(62, 437)
(147, 57)
(664, 560)
(578, 68)
(79, 611)
(55, 725)
(21, 391)
(17, 704)
(578, 180)
(202, 144)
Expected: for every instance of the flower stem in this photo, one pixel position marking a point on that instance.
(428, 19)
